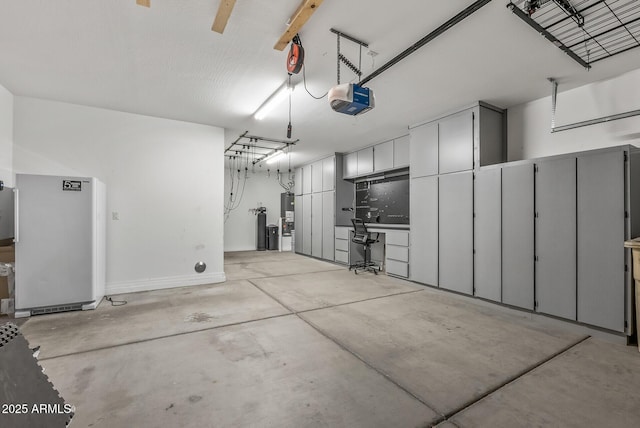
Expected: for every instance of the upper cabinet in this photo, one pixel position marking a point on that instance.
(328, 173)
(392, 154)
(462, 141)
(350, 165)
(365, 161)
(424, 150)
(297, 186)
(401, 152)
(383, 156)
(306, 179)
(455, 143)
(316, 177)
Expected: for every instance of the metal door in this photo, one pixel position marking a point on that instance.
(328, 226)
(316, 225)
(298, 224)
(424, 230)
(601, 258)
(487, 234)
(306, 224)
(424, 150)
(456, 232)
(455, 142)
(555, 191)
(518, 236)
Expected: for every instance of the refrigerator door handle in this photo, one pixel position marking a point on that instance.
(16, 216)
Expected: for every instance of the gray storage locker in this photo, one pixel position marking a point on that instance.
(316, 176)
(298, 223)
(298, 182)
(306, 179)
(424, 230)
(401, 152)
(423, 147)
(383, 156)
(487, 234)
(328, 173)
(555, 190)
(365, 161)
(306, 224)
(350, 166)
(316, 224)
(328, 229)
(455, 203)
(518, 236)
(601, 258)
(455, 147)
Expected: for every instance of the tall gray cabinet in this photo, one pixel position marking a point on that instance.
(517, 233)
(318, 195)
(444, 152)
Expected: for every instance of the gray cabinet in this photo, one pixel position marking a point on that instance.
(455, 143)
(518, 235)
(297, 189)
(328, 174)
(342, 239)
(306, 179)
(455, 243)
(306, 224)
(601, 229)
(298, 223)
(365, 161)
(316, 224)
(316, 176)
(401, 154)
(397, 253)
(487, 234)
(424, 230)
(383, 156)
(424, 150)
(555, 273)
(328, 222)
(350, 165)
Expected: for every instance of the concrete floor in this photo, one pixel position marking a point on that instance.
(291, 341)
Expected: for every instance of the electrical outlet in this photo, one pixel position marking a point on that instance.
(115, 215)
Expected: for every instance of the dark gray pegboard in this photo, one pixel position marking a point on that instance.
(23, 385)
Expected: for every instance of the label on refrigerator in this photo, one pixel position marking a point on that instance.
(74, 185)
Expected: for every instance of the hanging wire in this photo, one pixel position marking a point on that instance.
(304, 81)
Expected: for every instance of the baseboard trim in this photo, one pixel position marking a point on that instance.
(162, 283)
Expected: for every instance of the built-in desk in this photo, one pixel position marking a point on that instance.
(391, 252)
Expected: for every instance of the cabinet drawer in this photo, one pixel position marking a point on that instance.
(342, 245)
(400, 254)
(342, 257)
(398, 238)
(398, 268)
(342, 233)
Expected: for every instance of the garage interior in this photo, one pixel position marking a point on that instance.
(488, 146)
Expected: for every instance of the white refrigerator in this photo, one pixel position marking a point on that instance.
(60, 233)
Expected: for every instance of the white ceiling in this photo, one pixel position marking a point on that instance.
(166, 62)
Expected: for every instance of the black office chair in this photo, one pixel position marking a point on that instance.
(363, 237)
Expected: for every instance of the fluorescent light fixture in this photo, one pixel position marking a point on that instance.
(276, 98)
(276, 157)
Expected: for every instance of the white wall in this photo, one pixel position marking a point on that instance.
(6, 136)
(529, 124)
(164, 180)
(260, 190)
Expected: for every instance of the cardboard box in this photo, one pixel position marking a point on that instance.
(7, 306)
(7, 254)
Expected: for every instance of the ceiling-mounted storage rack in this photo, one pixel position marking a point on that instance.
(587, 30)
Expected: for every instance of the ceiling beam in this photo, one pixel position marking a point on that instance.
(224, 12)
(145, 3)
(297, 20)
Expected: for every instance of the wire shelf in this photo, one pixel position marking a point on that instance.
(593, 30)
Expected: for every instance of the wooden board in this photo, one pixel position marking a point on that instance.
(145, 3)
(299, 18)
(224, 12)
